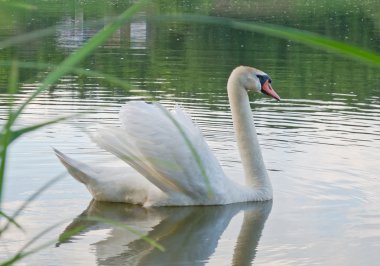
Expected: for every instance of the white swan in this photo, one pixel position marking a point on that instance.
(173, 163)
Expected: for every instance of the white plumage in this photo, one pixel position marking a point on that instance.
(173, 163)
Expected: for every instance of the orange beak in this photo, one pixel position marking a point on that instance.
(268, 90)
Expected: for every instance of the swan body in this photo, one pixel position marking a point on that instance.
(170, 162)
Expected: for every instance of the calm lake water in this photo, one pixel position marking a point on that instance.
(321, 143)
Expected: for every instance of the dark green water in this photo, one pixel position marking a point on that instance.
(320, 143)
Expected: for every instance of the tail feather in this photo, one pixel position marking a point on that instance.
(78, 170)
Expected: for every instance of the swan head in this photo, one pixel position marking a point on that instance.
(253, 79)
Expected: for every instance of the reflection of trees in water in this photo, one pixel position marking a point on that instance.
(189, 234)
(186, 58)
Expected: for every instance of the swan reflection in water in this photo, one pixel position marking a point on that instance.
(190, 235)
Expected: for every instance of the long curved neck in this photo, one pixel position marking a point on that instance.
(254, 168)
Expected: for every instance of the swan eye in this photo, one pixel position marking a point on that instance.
(263, 78)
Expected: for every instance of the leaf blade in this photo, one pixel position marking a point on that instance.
(80, 54)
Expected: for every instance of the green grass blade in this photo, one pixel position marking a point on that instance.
(33, 197)
(5, 140)
(13, 78)
(77, 70)
(193, 151)
(5, 133)
(10, 261)
(20, 132)
(22, 253)
(10, 220)
(300, 36)
(34, 35)
(64, 237)
(313, 39)
(27, 37)
(80, 54)
(36, 237)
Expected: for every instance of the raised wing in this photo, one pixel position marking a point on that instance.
(165, 147)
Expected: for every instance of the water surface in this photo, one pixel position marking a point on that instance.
(320, 143)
